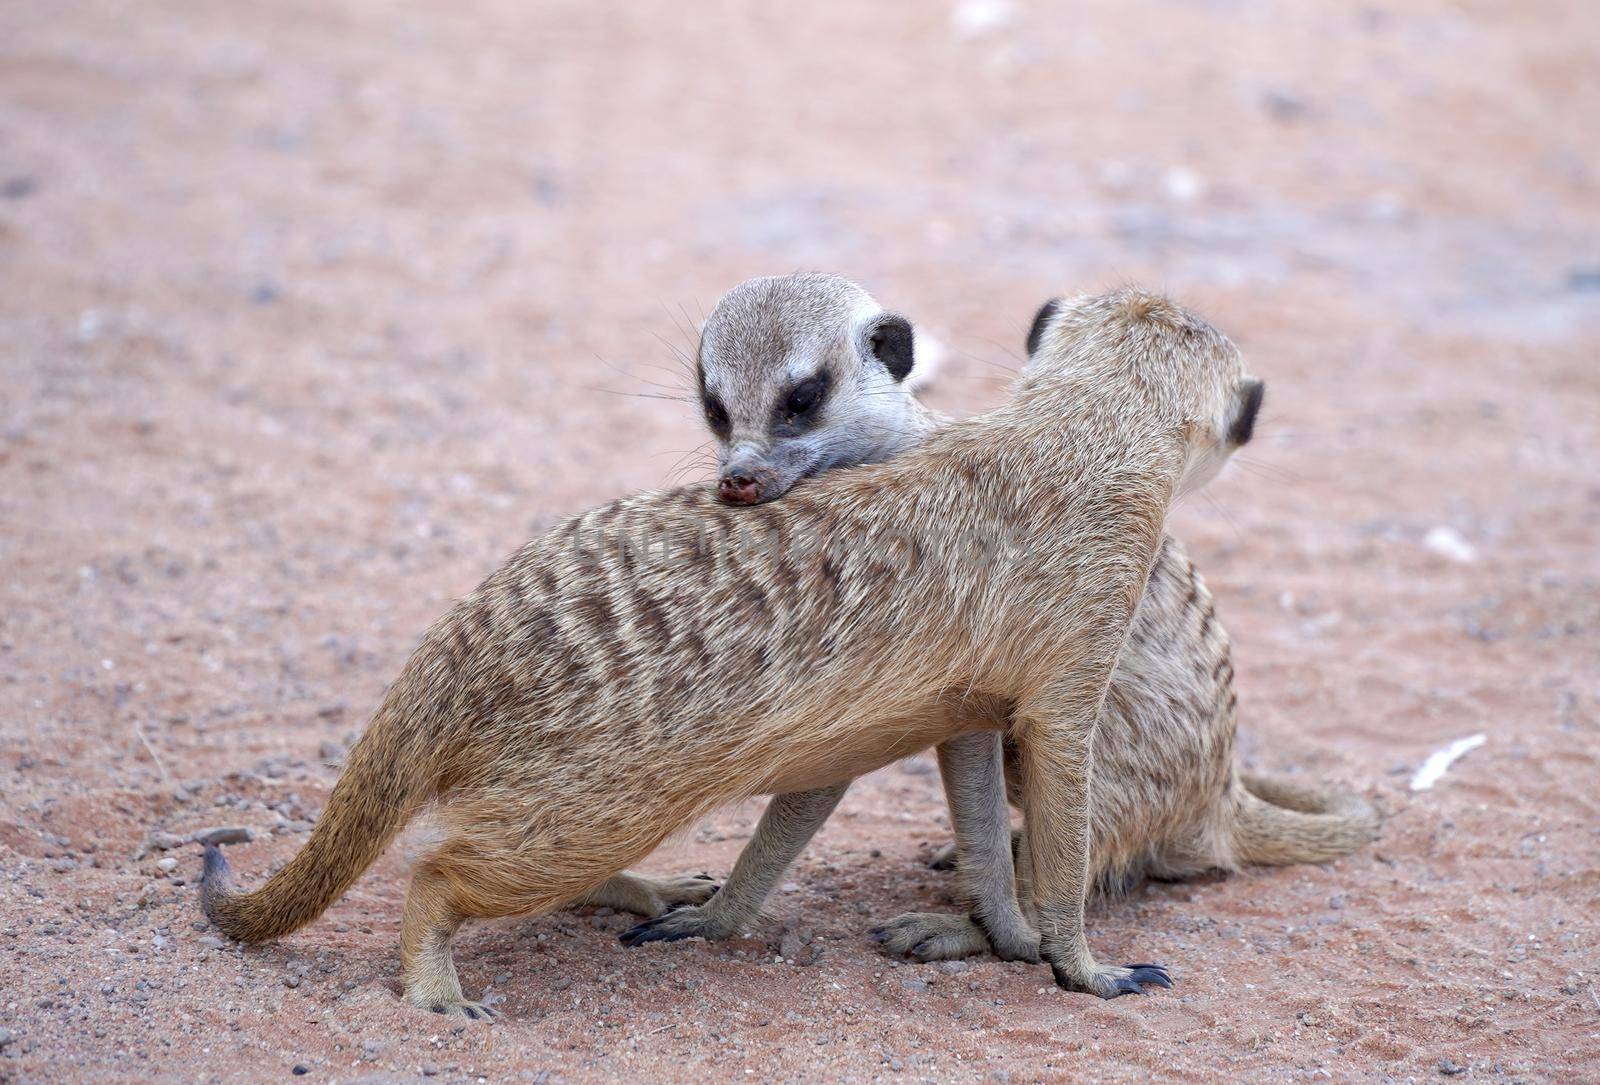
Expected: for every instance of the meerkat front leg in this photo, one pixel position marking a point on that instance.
(1056, 740)
(790, 821)
(975, 788)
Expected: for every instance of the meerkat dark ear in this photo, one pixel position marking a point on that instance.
(890, 341)
(1244, 423)
(1041, 320)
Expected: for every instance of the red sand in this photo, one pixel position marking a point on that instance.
(310, 313)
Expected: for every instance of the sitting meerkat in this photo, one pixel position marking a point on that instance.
(801, 374)
(663, 655)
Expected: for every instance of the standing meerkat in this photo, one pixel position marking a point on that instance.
(663, 655)
(804, 373)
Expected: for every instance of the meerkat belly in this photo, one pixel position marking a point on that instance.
(841, 749)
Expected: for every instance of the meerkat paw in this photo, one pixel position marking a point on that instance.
(931, 936)
(1009, 937)
(1110, 981)
(649, 895)
(680, 922)
(665, 894)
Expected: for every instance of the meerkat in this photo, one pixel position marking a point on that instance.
(793, 384)
(663, 655)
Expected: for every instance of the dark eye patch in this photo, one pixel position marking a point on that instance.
(800, 403)
(716, 414)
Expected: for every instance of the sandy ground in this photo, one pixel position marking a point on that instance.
(311, 312)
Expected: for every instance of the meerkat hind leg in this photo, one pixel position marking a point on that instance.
(432, 917)
(483, 876)
(944, 858)
(650, 895)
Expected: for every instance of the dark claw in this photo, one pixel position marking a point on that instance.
(649, 932)
(1150, 973)
(1131, 984)
(470, 1012)
(879, 934)
(438, 1007)
(1126, 985)
(942, 863)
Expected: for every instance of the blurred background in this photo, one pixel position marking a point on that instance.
(311, 312)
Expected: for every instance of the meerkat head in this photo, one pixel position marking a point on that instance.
(1140, 344)
(800, 373)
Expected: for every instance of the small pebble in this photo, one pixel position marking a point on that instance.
(222, 834)
(167, 865)
(160, 842)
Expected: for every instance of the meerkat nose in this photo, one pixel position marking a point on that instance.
(739, 489)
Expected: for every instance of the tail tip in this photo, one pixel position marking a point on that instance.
(216, 869)
(216, 887)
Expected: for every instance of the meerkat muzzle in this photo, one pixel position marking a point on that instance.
(744, 489)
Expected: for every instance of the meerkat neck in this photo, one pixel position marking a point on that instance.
(900, 431)
(924, 419)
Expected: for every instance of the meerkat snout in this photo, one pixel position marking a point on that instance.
(750, 488)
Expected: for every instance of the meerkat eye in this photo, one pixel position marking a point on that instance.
(716, 414)
(804, 397)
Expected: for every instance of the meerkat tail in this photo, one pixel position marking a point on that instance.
(383, 785)
(1279, 823)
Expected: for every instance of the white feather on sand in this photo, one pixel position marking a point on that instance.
(1439, 762)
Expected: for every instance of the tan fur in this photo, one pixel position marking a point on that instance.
(663, 655)
(1167, 801)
